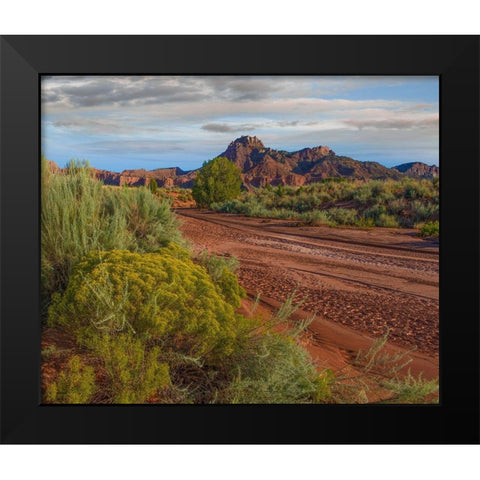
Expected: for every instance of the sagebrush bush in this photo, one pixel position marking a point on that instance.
(79, 214)
(149, 221)
(75, 384)
(279, 372)
(271, 367)
(162, 294)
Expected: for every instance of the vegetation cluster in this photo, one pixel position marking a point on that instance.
(152, 322)
(180, 193)
(339, 201)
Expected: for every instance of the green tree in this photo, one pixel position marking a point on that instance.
(218, 180)
(153, 185)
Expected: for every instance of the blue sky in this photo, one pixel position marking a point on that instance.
(153, 122)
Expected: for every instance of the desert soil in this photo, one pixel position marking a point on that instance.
(357, 282)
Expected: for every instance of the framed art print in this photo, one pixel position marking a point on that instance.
(198, 249)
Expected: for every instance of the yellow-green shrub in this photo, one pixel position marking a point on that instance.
(163, 295)
(75, 384)
(221, 271)
(134, 374)
(430, 229)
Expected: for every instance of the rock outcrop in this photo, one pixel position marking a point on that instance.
(165, 177)
(262, 165)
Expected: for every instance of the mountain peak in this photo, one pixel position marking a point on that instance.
(260, 165)
(248, 141)
(323, 150)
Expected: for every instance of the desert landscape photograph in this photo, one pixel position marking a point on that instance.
(240, 239)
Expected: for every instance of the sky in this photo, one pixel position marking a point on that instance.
(129, 122)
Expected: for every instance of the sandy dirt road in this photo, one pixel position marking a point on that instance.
(358, 282)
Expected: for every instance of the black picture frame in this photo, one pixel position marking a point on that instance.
(454, 58)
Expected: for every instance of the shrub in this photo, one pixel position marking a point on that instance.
(397, 206)
(148, 220)
(380, 370)
(317, 217)
(385, 220)
(430, 229)
(271, 367)
(221, 271)
(374, 212)
(367, 223)
(281, 372)
(343, 216)
(218, 180)
(70, 222)
(78, 215)
(164, 295)
(382, 203)
(185, 196)
(153, 187)
(134, 374)
(75, 384)
(410, 389)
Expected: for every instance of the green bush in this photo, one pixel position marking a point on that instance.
(134, 374)
(152, 185)
(75, 384)
(430, 229)
(218, 180)
(164, 295)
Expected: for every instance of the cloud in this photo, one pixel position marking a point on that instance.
(395, 123)
(131, 146)
(88, 125)
(293, 123)
(98, 91)
(118, 91)
(224, 128)
(218, 127)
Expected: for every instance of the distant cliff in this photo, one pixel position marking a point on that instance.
(418, 170)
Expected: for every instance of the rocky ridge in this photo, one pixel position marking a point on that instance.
(261, 165)
(418, 170)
